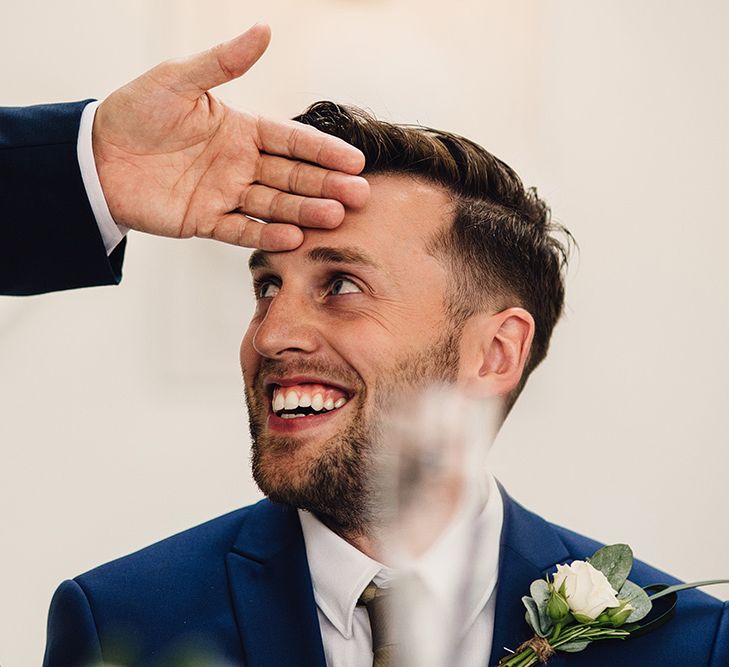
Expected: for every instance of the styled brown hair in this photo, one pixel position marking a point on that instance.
(503, 248)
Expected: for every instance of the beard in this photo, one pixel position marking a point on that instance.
(335, 482)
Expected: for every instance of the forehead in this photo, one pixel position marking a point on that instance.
(401, 215)
(393, 228)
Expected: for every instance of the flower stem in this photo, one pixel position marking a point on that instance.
(527, 657)
(520, 659)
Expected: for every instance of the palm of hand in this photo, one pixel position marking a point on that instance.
(175, 161)
(182, 163)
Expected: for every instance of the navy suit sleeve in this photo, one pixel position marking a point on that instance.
(720, 650)
(49, 239)
(72, 640)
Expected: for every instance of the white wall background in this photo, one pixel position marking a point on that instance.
(122, 417)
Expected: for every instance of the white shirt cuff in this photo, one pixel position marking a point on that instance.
(111, 233)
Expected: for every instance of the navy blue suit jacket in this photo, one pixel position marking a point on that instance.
(237, 590)
(49, 239)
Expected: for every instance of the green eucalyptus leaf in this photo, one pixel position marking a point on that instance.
(539, 590)
(574, 647)
(532, 615)
(637, 598)
(615, 561)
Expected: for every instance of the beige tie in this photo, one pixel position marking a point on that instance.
(379, 608)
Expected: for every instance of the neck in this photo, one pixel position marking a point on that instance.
(364, 537)
(410, 534)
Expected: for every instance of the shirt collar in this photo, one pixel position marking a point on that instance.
(340, 572)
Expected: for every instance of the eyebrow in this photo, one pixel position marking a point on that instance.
(259, 259)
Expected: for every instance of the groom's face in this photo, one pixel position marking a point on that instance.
(345, 325)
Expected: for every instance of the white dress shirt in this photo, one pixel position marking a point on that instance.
(340, 572)
(111, 233)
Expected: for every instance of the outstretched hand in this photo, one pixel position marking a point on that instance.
(175, 161)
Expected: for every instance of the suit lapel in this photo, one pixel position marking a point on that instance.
(529, 549)
(271, 590)
(270, 586)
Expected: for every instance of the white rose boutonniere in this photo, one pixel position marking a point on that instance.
(587, 590)
(590, 600)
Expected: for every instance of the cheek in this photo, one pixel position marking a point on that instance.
(375, 341)
(248, 355)
(369, 350)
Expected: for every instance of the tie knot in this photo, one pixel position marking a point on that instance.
(371, 592)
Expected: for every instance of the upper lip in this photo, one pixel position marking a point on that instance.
(291, 380)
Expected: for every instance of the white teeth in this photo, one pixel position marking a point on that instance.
(292, 401)
(283, 400)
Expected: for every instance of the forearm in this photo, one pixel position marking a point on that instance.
(49, 238)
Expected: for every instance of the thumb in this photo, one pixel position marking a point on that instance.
(193, 76)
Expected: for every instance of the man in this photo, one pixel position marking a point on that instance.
(451, 272)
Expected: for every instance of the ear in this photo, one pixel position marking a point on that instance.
(494, 350)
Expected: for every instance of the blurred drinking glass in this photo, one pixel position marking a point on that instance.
(430, 484)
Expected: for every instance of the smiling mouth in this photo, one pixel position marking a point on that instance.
(305, 400)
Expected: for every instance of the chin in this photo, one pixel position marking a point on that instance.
(283, 463)
(326, 477)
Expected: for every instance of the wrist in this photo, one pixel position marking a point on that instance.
(92, 172)
(101, 163)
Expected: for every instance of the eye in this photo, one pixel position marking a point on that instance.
(343, 286)
(266, 289)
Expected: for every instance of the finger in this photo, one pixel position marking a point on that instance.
(303, 142)
(311, 181)
(197, 74)
(267, 203)
(238, 229)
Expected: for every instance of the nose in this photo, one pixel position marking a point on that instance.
(289, 326)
